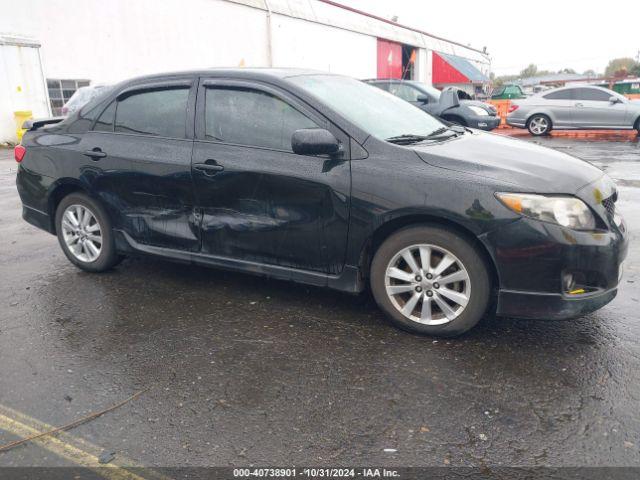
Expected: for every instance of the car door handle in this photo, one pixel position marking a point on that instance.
(210, 168)
(95, 153)
(579, 105)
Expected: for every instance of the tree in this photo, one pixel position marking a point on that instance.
(530, 71)
(567, 70)
(620, 66)
(635, 70)
(590, 73)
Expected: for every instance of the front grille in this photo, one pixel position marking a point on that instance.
(610, 204)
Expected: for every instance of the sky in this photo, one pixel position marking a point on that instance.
(558, 34)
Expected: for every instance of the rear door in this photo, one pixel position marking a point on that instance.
(560, 105)
(261, 202)
(148, 133)
(593, 109)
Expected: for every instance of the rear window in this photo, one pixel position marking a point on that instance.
(160, 112)
(560, 95)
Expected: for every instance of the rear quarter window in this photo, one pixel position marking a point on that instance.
(560, 95)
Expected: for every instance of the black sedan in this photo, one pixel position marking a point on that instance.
(325, 180)
(452, 104)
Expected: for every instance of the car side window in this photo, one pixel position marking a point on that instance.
(251, 117)
(105, 121)
(591, 94)
(161, 112)
(560, 95)
(384, 86)
(405, 92)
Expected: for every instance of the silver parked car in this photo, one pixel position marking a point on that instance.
(576, 107)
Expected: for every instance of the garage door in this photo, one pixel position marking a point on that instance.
(389, 59)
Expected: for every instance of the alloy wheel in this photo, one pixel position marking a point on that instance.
(82, 233)
(538, 125)
(427, 284)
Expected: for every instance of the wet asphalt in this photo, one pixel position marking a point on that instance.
(242, 370)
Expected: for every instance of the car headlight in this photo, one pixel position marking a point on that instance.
(567, 211)
(478, 111)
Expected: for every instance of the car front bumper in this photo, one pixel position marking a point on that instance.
(534, 258)
(485, 122)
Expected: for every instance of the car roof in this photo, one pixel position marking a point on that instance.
(254, 72)
(568, 87)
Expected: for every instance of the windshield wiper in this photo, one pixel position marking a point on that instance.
(439, 131)
(407, 139)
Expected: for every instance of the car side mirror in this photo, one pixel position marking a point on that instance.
(422, 99)
(314, 141)
(614, 99)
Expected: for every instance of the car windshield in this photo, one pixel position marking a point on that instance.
(432, 91)
(373, 110)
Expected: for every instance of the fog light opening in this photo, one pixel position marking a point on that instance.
(568, 283)
(579, 283)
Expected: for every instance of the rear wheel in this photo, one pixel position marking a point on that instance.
(84, 233)
(430, 280)
(539, 125)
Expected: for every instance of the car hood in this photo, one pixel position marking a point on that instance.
(527, 166)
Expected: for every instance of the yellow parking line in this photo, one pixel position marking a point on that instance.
(71, 448)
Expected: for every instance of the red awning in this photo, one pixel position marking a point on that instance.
(454, 69)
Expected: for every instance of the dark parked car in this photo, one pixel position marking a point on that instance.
(452, 104)
(325, 180)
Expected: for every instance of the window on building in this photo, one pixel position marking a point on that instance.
(160, 112)
(251, 117)
(60, 91)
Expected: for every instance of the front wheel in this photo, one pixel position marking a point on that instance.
(84, 233)
(430, 280)
(539, 125)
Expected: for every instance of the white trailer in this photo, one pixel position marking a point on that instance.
(22, 83)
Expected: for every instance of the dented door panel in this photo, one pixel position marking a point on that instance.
(273, 207)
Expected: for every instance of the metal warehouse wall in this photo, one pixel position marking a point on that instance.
(106, 41)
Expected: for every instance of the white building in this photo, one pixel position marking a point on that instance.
(104, 41)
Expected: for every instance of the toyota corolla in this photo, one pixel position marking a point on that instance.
(325, 180)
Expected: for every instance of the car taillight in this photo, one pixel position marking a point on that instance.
(19, 152)
(513, 108)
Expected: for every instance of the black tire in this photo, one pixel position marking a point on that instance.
(108, 256)
(637, 125)
(468, 255)
(532, 121)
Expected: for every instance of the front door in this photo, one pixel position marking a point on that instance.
(260, 202)
(593, 109)
(148, 133)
